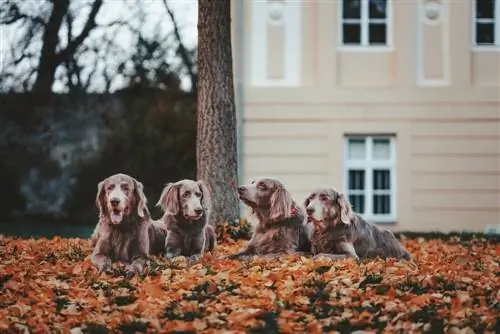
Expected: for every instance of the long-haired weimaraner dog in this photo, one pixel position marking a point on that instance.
(339, 232)
(187, 206)
(125, 231)
(280, 229)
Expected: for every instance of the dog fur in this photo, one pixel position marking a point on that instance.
(280, 225)
(125, 231)
(187, 206)
(339, 232)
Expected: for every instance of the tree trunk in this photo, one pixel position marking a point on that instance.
(48, 57)
(216, 131)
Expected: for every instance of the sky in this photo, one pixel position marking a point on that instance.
(185, 12)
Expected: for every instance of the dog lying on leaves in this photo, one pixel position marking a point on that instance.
(187, 206)
(338, 232)
(125, 231)
(280, 228)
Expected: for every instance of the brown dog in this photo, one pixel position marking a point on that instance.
(157, 233)
(124, 228)
(187, 206)
(339, 232)
(280, 228)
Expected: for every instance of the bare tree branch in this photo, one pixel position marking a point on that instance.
(13, 14)
(182, 50)
(48, 63)
(89, 25)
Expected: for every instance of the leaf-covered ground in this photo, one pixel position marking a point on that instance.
(49, 286)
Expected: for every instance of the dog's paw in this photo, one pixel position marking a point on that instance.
(169, 255)
(132, 269)
(105, 267)
(193, 258)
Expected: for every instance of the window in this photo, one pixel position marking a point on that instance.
(369, 177)
(486, 22)
(365, 23)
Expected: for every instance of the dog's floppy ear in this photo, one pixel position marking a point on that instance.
(169, 199)
(206, 199)
(280, 204)
(345, 209)
(142, 202)
(100, 200)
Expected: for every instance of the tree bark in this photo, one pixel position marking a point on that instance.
(216, 149)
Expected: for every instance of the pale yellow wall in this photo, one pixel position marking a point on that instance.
(441, 99)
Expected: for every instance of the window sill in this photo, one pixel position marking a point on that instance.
(365, 49)
(486, 48)
(391, 222)
(381, 220)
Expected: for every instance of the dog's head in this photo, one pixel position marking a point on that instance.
(191, 198)
(325, 205)
(268, 196)
(119, 196)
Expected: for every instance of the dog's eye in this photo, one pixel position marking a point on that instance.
(323, 197)
(186, 194)
(125, 187)
(261, 186)
(198, 194)
(111, 187)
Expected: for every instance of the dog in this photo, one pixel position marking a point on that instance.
(280, 227)
(124, 231)
(338, 232)
(187, 206)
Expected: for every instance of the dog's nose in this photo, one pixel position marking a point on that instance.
(114, 201)
(198, 211)
(241, 190)
(310, 211)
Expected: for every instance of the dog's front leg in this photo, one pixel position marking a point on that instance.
(139, 251)
(349, 249)
(197, 247)
(333, 257)
(100, 255)
(173, 245)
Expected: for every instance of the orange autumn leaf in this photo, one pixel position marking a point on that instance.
(51, 286)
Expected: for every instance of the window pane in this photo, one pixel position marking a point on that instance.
(357, 203)
(381, 204)
(381, 179)
(485, 9)
(377, 33)
(381, 149)
(378, 9)
(357, 149)
(356, 179)
(351, 33)
(485, 33)
(351, 9)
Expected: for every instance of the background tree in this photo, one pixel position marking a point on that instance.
(79, 45)
(123, 74)
(216, 142)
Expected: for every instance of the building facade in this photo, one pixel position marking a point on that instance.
(395, 103)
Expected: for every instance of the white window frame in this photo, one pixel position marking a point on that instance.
(368, 165)
(365, 21)
(496, 21)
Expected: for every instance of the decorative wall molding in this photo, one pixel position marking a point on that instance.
(288, 16)
(276, 12)
(435, 14)
(432, 11)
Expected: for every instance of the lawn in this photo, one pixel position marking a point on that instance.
(49, 286)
